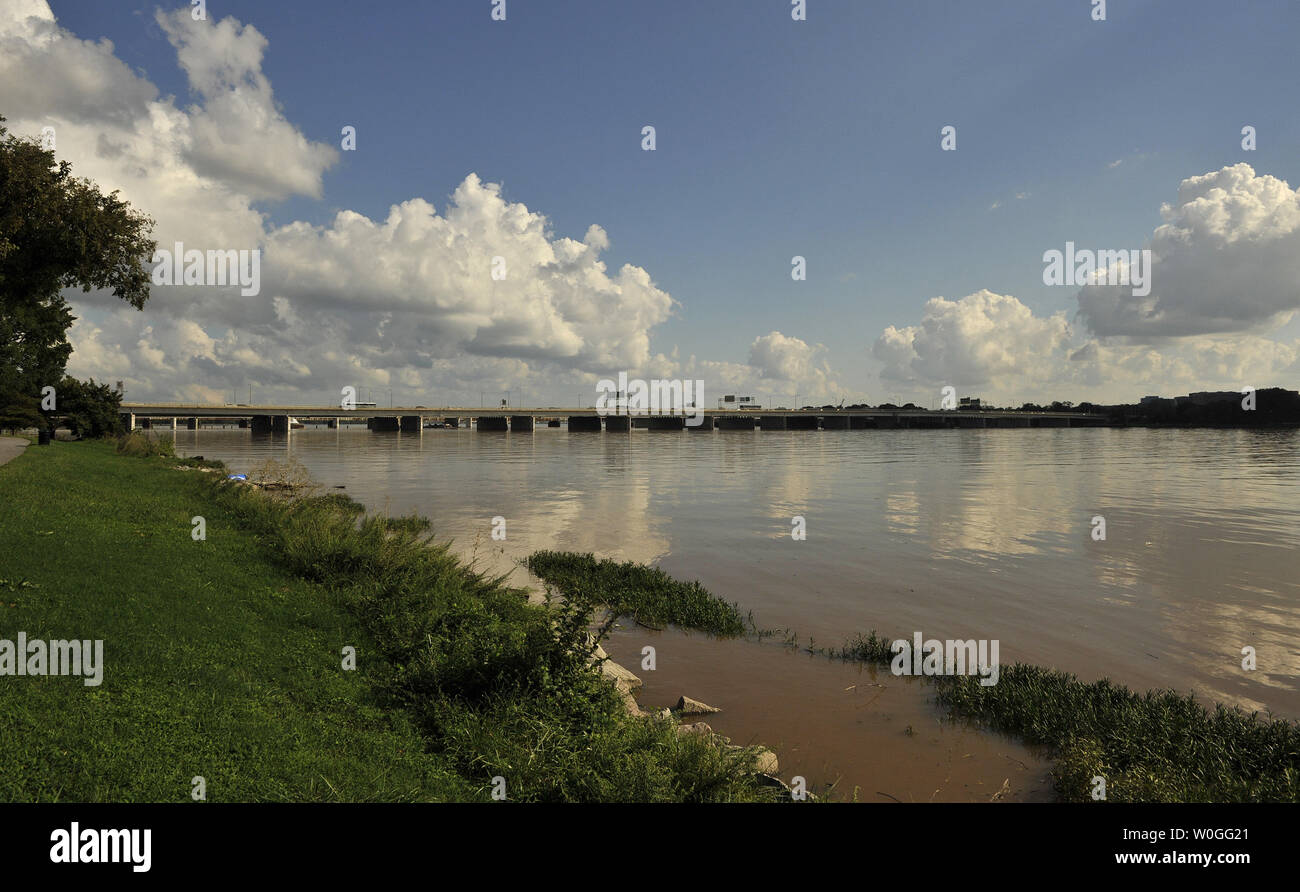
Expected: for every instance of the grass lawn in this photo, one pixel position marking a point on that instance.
(223, 657)
(218, 662)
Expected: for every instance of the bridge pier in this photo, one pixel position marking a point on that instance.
(584, 423)
(618, 424)
(772, 422)
(735, 422)
(451, 422)
(410, 424)
(835, 422)
(862, 423)
(128, 421)
(801, 423)
(524, 424)
(192, 424)
(493, 423)
(705, 424)
(385, 423)
(667, 422)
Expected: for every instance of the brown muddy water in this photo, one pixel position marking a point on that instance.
(981, 534)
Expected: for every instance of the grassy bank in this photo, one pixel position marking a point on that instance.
(223, 657)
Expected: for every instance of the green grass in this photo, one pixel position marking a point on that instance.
(647, 594)
(1160, 746)
(223, 656)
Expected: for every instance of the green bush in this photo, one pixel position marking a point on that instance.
(143, 446)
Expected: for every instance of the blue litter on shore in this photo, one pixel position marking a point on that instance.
(237, 477)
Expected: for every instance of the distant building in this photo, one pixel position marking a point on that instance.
(1205, 397)
(969, 402)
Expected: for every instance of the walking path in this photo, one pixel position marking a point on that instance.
(11, 447)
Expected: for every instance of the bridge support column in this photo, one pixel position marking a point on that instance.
(835, 422)
(261, 424)
(801, 423)
(861, 422)
(735, 422)
(667, 422)
(618, 424)
(128, 421)
(585, 423)
(703, 423)
(451, 422)
(192, 424)
(409, 424)
(522, 423)
(279, 424)
(493, 423)
(146, 423)
(385, 423)
(333, 422)
(772, 422)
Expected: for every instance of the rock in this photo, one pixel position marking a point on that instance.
(696, 728)
(768, 780)
(687, 706)
(665, 713)
(629, 700)
(613, 670)
(766, 763)
(597, 652)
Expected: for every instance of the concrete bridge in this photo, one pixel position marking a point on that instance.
(276, 419)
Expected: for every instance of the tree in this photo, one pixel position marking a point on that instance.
(19, 411)
(57, 231)
(89, 409)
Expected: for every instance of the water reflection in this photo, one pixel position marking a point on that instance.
(981, 533)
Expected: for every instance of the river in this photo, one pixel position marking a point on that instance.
(984, 534)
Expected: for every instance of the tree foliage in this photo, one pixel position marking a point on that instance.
(57, 231)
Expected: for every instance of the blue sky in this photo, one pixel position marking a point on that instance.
(776, 138)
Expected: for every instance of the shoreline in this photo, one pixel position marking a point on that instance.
(398, 585)
(459, 691)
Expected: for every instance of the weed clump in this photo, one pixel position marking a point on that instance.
(647, 594)
(141, 445)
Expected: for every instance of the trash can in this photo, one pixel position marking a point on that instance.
(44, 436)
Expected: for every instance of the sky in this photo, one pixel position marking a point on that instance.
(775, 138)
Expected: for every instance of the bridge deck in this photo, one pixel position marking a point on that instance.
(184, 410)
